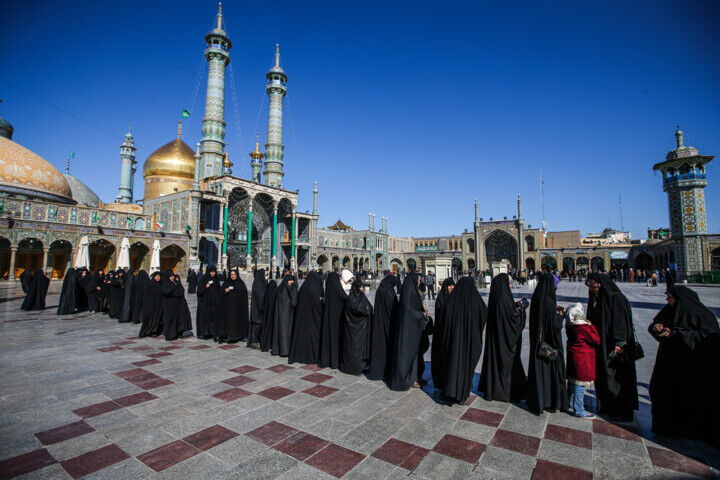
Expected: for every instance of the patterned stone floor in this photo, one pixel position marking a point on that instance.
(82, 397)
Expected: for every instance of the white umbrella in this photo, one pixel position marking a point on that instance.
(155, 259)
(82, 260)
(124, 256)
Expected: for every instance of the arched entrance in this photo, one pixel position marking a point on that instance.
(530, 243)
(60, 256)
(29, 255)
(138, 256)
(471, 264)
(715, 259)
(568, 265)
(396, 265)
(549, 263)
(336, 263)
(323, 262)
(530, 263)
(457, 267)
(582, 264)
(5, 255)
(171, 258)
(346, 262)
(500, 246)
(597, 264)
(101, 255)
(644, 262)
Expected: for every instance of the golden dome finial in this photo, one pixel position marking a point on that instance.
(227, 163)
(179, 129)
(257, 154)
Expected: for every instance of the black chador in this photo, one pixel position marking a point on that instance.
(128, 296)
(384, 315)
(139, 286)
(546, 388)
(235, 306)
(209, 305)
(104, 297)
(685, 383)
(465, 318)
(615, 381)
(330, 334)
(437, 354)
(305, 339)
(407, 336)
(92, 286)
(117, 294)
(37, 289)
(268, 315)
(81, 300)
(68, 293)
(25, 277)
(356, 331)
(192, 280)
(152, 308)
(257, 304)
(503, 375)
(175, 312)
(285, 300)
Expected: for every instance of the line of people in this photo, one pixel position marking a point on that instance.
(335, 326)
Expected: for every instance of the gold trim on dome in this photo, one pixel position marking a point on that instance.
(23, 168)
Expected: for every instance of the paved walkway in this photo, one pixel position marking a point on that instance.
(83, 397)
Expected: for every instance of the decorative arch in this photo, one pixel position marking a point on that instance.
(336, 263)
(411, 264)
(644, 262)
(530, 263)
(139, 258)
(500, 245)
(346, 262)
(323, 262)
(549, 263)
(102, 254)
(568, 265)
(715, 259)
(597, 264)
(471, 245)
(171, 258)
(530, 243)
(60, 255)
(29, 255)
(5, 255)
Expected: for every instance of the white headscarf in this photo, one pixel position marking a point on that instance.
(575, 315)
(347, 279)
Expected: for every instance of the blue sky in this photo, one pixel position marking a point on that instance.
(410, 110)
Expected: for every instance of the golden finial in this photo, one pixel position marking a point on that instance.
(179, 129)
(257, 153)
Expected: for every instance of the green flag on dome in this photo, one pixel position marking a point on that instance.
(185, 114)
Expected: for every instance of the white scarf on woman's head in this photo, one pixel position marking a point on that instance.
(347, 279)
(575, 315)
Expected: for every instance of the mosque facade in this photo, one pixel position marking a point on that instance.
(198, 213)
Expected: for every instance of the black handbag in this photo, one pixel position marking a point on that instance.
(634, 351)
(544, 350)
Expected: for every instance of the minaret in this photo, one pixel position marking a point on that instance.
(684, 180)
(227, 165)
(127, 169)
(256, 161)
(217, 55)
(315, 192)
(274, 147)
(476, 239)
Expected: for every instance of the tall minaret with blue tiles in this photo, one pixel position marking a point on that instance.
(127, 169)
(217, 55)
(274, 147)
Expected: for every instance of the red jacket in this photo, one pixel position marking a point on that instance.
(581, 342)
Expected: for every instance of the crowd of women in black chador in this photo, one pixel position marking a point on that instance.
(335, 326)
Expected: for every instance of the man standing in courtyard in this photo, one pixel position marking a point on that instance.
(430, 283)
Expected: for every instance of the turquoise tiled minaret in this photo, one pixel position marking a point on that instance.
(684, 180)
(217, 55)
(274, 147)
(127, 169)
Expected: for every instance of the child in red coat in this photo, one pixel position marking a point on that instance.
(582, 338)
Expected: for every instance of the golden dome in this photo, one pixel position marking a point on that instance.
(23, 172)
(168, 168)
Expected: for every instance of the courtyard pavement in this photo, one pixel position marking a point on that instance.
(82, 397)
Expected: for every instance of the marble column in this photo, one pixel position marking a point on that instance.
(293, 256)
(11, 273)
(248, 256)
(273, 260)
(46, 253)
